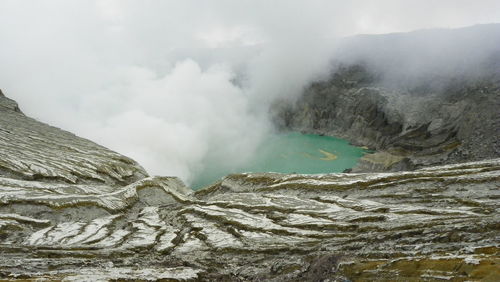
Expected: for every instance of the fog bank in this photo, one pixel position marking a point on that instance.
(426, 58)
(181, 85)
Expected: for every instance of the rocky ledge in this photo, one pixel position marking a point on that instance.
(445, 113)
(72, 210)
(407, 130)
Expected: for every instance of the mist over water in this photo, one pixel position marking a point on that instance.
(290, 153)
(184, 85)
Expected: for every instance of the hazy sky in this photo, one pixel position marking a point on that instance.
(153, 79)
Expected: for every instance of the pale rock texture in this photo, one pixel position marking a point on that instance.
(31, 150)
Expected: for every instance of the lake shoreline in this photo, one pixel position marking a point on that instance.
(291, 152)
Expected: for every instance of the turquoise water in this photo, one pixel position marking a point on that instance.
(292, 153)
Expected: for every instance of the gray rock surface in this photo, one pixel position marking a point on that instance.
(92, 214)
(257, 227)
(457, 122)
(31, 150)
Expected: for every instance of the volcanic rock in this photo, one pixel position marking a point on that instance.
(72, 210)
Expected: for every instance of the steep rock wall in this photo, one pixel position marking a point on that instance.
(408, 129)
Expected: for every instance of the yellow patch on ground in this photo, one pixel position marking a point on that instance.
(328, 156)
(424, 268)
(383, 158)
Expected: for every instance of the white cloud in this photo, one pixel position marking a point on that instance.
(152, 79)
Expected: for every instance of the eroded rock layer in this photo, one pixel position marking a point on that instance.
(32, 150)
(438, 223)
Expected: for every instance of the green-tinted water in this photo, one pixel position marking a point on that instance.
(293, 153)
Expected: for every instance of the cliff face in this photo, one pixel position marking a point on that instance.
(408, 130)
(443, 112)
(73, 210)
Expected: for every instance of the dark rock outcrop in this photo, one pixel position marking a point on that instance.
(411, 121)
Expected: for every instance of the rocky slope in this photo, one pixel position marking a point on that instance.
(378, 97)
(72, 210)
(31, 150)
